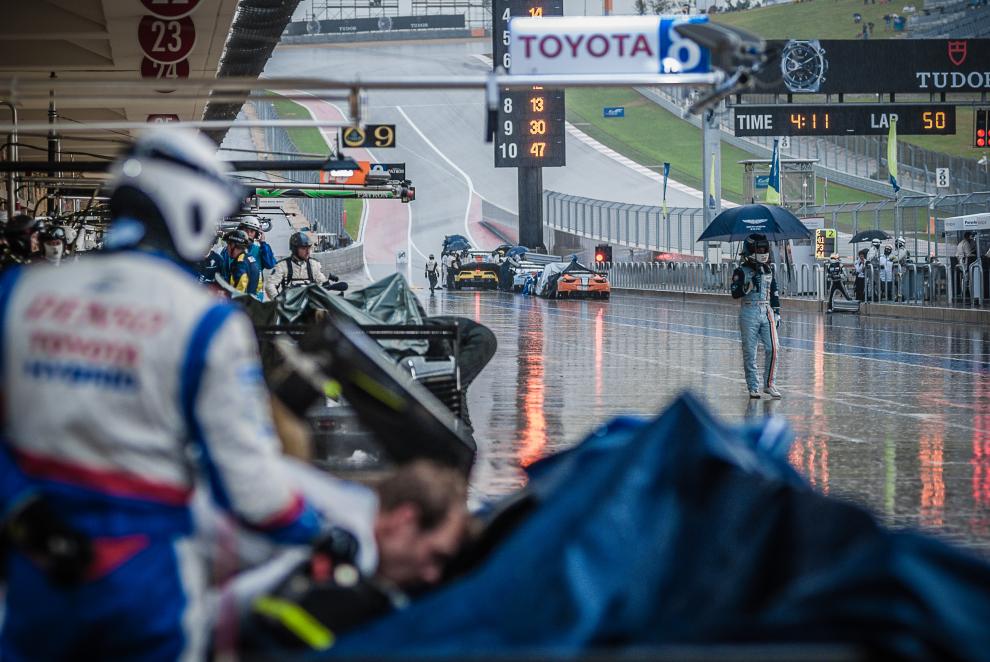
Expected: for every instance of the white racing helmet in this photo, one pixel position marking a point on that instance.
(171, 181)
(250, 222)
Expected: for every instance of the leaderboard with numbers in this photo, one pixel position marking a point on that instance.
(530, 131)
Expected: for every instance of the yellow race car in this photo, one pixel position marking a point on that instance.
(483, 275)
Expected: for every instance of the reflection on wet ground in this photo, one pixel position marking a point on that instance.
(894, 414)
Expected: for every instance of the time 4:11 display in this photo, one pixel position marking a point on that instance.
(844, 120)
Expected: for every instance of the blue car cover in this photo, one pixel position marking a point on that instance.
(682, 530)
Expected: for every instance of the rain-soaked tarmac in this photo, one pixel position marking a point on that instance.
(893, 414)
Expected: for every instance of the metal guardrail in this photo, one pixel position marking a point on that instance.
(676, 276)
(931, 285)
(325, 215)
(635, 226)
(916, 218)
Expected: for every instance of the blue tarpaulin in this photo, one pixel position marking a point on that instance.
(681, 530)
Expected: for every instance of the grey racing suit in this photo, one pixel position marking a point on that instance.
(759, 315)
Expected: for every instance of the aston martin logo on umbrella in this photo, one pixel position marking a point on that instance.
(957, 51)
(737, 223)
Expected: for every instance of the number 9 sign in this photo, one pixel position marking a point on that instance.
(166, 40)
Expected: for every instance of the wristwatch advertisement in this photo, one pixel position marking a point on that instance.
(803, 66)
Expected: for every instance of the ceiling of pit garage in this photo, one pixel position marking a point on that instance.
(99, 39)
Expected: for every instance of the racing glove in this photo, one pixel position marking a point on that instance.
(332, 278)
(776, 318)
(63, 553)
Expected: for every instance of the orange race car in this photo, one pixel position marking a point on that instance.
(582, 282)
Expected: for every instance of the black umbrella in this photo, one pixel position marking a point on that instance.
(735, 224)
(869, 235)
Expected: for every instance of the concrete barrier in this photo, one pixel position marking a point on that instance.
(342, 260)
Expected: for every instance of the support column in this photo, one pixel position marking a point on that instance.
(711, 150)
(531, 208)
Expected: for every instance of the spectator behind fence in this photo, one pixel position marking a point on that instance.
(887, 273)
(965, 254)
(860, 266)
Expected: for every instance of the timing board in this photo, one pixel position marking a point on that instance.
(843, 119)
(530, 130)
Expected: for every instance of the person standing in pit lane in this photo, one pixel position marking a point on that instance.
(860, 267)
(245, 276)
(297, 269)
(21, 243)
(754, 283)
(836, 275)
(136, 380)
(432, 272)
(53, 244)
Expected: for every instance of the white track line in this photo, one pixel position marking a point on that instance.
(364, 208)
(471, 191)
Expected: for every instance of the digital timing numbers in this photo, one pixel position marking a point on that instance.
(530, 131)
(847, 119)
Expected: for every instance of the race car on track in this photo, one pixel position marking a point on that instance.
(483, 275)
(565, 280)
(525, 272)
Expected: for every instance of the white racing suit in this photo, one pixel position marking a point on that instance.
(756, 286)
(291, 272)
(123, 381)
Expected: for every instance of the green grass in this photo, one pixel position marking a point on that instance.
(354, 208)
(310, 140)
(307, 139)
(650, 135)
(814, 19)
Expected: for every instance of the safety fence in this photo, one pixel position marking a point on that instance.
(325, 215)
(916, 218)
(635, 226)
(934, 284)
(806, 282)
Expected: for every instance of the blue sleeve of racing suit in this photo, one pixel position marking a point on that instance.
(228, 416)
(225, 265)
(265, 256)
(774, 296)
(253, 275)
(738, 288)
(14, 486)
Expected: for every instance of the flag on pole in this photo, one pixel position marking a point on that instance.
(711, 185)
(892, 154)
(663, 196)
(773, 186)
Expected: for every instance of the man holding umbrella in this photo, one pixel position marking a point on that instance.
(754, 283)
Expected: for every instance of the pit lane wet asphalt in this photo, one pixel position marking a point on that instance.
(892, 414)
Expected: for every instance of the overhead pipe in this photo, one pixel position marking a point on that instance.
(294, 165)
